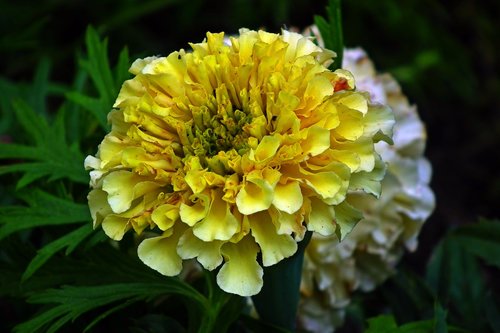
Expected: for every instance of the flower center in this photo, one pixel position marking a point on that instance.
(220, 125)
(223, 132)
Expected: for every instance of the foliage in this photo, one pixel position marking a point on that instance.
(58, 274)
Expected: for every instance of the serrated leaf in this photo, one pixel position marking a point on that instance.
(96, 64)
(408, 296)
(331, 31)
(50, 157)
(70, 241)
(454, 274)
(71, 302)
(44, 209)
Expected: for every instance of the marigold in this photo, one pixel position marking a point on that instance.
(367, 256)
(234, 149)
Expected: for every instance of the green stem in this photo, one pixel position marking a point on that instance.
(221, 308)
(278, 301)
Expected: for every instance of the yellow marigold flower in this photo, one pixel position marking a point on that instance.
(233, 149)
(367, 256)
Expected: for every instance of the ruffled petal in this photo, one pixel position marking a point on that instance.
(255, 196)
(164, 216)
(288, 197)
(160, 253)
(241, 274)
(192, 214)
(320, 217)
(274, 247)
(219, 224)
(207, 253)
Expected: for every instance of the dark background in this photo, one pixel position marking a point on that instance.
(445, 54)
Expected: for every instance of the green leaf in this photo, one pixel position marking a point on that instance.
(408, 296)
(70, 241)
(331, 31)
(481, 239)
(492, 310)
(440, 325)
(70, 302)
(455, 276)
(382, 324)
(44, 209)
(40, 87)
(50, 157)
(7, 91)
(96, 64)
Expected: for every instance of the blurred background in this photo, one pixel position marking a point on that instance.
(445, 54)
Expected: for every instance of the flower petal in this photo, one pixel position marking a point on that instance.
(115, 226)
(241, 274)
(316, 141)
(274, 247)
(220, 223)
(98, 204)
(346, 217)
(160, 253)
(320, 217)
(125, 186)
(288, 197)
(192, 214)
(255, 196)
(164, 216)
(207, 253)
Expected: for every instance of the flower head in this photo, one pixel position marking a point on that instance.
(233, 149)
(367, 256)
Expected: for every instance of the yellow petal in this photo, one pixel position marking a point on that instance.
(326, 184)
(160, 253)
(123, 187)
(220, 223)
(241, 274)
(267, 148)
(317, 140)
(288, 197)
(351, 124)
(286, 224)
(164, 216)
(115, 226)
(347, 217)
(274, 247)
(192, 214)
(354, 101)
(98, 204)
(320, 217)
(207, 253)
(370, 182)
(358, 156)
(255, 196)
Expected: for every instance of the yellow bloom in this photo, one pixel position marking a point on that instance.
(235, 148)
(367, 256)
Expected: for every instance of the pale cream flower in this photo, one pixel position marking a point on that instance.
(368, 255)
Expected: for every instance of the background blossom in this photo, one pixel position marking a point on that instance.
(367, 256)
(236, 149)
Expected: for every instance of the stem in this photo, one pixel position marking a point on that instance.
(278, 301)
